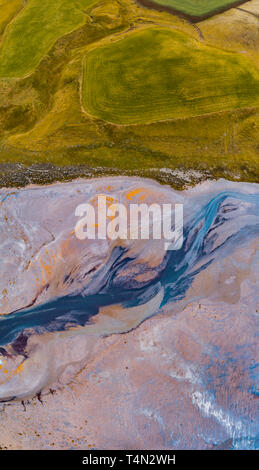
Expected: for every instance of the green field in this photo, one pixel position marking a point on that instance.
(118, 88)
(34, 31)
(158, 74)
(196, 7)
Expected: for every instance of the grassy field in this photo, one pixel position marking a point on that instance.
(158, 74)
(186, 95)
(196, 7)
(34, 31)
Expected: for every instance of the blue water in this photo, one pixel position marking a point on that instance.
(175, 274)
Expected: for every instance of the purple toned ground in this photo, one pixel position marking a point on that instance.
(182, 379)
(157, 387)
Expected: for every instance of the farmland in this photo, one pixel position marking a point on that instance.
(158, 74)
(34, 31)
(107, 86)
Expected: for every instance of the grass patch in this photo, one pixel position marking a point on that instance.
(158, 74)
(34, 31)
(8, 8)
(194, 8)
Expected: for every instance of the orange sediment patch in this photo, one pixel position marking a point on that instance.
(134, 192)
(47, 266)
